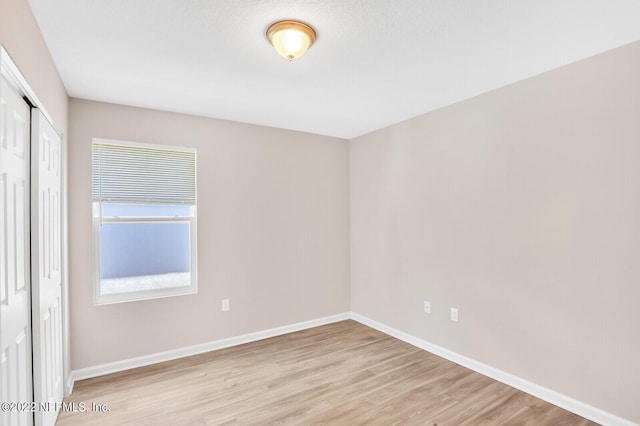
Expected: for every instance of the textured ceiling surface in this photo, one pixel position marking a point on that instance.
(375, 62)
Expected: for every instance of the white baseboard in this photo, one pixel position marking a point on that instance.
(113, 367)
(553, 397)
(68, 386)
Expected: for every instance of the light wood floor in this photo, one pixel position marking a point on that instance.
(343, 374)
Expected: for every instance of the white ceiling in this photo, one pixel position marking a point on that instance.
(375, 62)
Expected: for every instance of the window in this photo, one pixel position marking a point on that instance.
(144, 221)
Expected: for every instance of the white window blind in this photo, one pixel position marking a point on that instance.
(141, 173)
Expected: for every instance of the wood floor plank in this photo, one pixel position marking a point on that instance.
(343, 373)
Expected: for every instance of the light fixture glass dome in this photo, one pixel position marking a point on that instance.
(291, 39)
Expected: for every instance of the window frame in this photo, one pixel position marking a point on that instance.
(98, 219)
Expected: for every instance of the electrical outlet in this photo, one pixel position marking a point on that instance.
(427, 306)
(454, 314)
(225, 305)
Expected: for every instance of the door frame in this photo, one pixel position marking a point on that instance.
(11, 71)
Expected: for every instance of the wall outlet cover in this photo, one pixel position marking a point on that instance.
(454, 314)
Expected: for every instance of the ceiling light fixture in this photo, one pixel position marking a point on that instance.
(291, 39)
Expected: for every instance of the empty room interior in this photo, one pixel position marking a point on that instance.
(320, 212)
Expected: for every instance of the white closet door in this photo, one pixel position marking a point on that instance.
(46, 266)
(15, 301)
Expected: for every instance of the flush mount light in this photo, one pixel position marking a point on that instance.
(291, 39)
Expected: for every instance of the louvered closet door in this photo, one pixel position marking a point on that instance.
(15, 301)
(46, 266)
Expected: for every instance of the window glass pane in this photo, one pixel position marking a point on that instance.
(145, 210)
(144, 256)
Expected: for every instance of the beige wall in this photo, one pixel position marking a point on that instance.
(520, 207)
(273, 233)
(21, 37)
